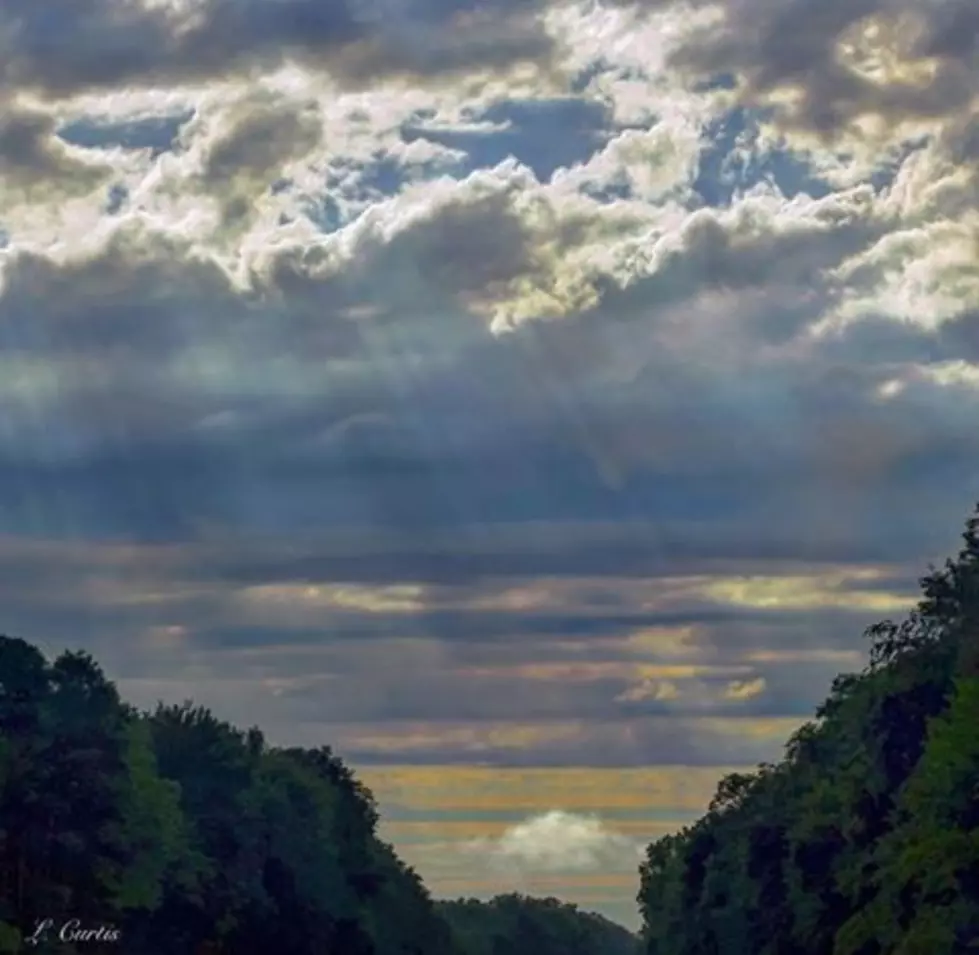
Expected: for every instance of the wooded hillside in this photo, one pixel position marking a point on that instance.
(864, 839)
(181, 834)
(187, 835)
(517, 925)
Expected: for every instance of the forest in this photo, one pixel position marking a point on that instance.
(172, 832)
(864, 838)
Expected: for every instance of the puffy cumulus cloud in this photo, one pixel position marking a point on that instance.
(580, 411)
(480, 404)
(862, 91)
(557, 841)
(438, 816)
(649, 164)
(500, 245)
(930, 290)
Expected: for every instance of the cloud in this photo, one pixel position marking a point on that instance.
(162, 43)
(252, 148)
(557, 841)
(745, 689)
(368, 371)
(844, 61)
(659, 690)
(663, 739)
(35, 165)
(445, 819)
(542, 385)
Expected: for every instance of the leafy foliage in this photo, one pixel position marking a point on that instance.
(864, 839)
(193, 837)
(517, 925)
(185, 832)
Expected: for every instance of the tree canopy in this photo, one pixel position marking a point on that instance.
(864, 838)
(189, 836)
(518, 925)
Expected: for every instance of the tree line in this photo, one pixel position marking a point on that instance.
(515, 924)
(174, 833)
(864, 838)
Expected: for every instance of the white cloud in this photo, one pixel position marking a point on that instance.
(311, 338)
(557, 841)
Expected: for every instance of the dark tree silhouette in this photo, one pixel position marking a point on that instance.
(864, 840)
(192, 837)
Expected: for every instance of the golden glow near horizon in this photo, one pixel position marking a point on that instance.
(453, 824)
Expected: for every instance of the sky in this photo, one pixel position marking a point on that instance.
(532, 400)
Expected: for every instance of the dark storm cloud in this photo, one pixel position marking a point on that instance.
(571, 549)
(257, 143)
(63, 47)
(959, 336)
(133, 298)
(35, 163)
(243, 159)
(563, 549)
(156, 492)
(782, 45)
(475, 433)
(482, 626)
(172, 621)
(422, 462)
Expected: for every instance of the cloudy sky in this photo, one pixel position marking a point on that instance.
(533, 400)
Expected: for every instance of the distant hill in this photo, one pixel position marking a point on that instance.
(518, 925)
(864, 839)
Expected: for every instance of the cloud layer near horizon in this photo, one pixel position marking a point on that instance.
(528, 384)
